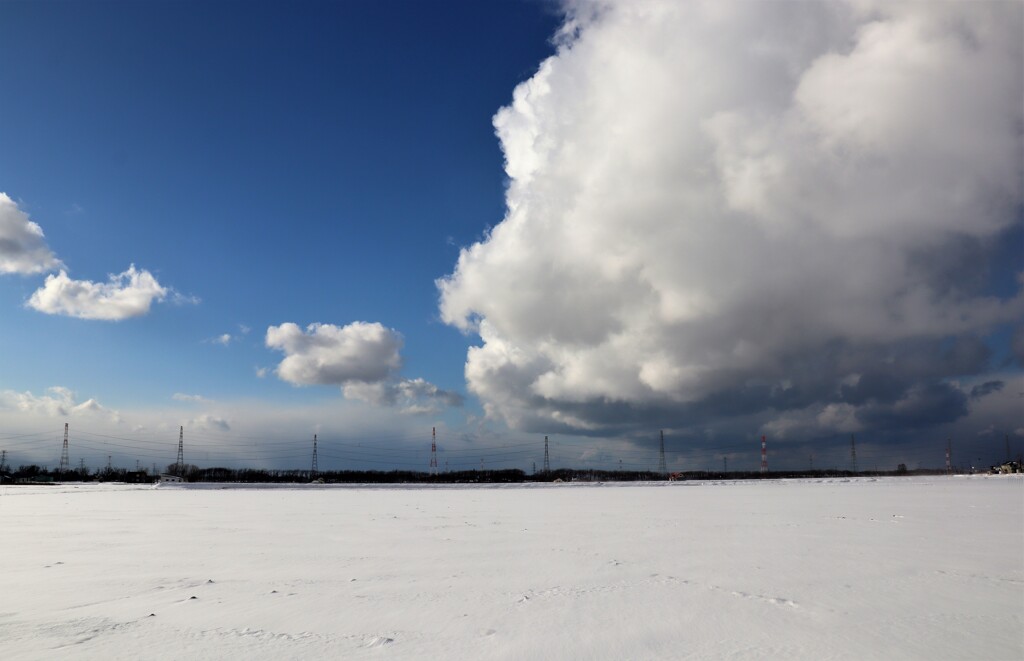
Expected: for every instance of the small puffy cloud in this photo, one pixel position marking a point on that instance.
(363, 358)
(207, 422)
(409, 395)
(261, 372)
(124, 295)
(194, 399)
(23, 248)
(58, 401)
(324, 354)
(224, 339)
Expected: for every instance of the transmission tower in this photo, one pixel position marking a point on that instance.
(661, 455)
(81, 466)
(949, 452)
(108, 464)
(433, 450)
(181, 452)
(853, 452)
(764, 455)
(547, 459)
(313, 470)
(64, 461)
(3, 460)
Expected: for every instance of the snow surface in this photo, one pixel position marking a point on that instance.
(924, 568)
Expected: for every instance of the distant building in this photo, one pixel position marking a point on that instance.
(1007, 467)
(170, 479)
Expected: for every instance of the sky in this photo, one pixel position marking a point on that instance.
(591, 220)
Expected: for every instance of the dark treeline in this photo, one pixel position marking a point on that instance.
(192, 473)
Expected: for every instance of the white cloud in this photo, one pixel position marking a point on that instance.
(182, 397)
(125, 295)
(223, 340)
(261, 372)
(58, 402)
(23, 248)
(335, 355)
(412, 396)
(208, 422)
(363, 358)
(709, 198)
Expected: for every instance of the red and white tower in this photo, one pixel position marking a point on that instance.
(433, 451)
(764, 455)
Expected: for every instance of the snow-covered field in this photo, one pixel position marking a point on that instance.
(925, 568)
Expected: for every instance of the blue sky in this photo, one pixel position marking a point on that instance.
(319, 163)
(512, 219)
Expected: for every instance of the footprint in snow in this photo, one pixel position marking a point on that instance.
(379, 641)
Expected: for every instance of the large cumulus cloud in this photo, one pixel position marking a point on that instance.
(719, 210)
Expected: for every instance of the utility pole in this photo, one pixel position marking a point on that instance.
(661, 456)
(547, 461)
(3, 460)
(64, 461)
(81, 466)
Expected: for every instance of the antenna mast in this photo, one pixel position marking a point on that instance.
(181, 452)
(313, 469)
(433, 450)
(661, 455)
(64, 461)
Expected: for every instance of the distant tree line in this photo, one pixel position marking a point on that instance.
(193, 473)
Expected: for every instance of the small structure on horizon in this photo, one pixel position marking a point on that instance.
(168, 478)
(1007, 467)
